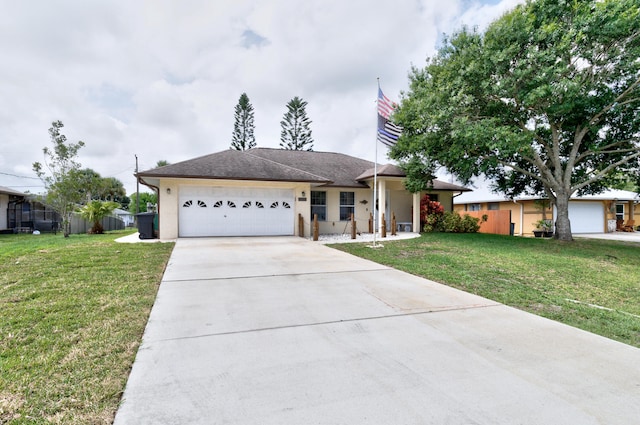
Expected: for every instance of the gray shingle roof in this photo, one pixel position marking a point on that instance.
(341, 169)
(234, 165)
(387, 170)
(323, 168)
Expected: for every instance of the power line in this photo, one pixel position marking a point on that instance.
(22, 177)
(124, 171)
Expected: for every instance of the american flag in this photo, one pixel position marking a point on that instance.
(388, 132)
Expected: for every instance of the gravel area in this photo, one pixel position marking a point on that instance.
(325, 239)
(365, 237)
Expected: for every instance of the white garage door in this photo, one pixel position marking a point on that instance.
(225, 211)
(586, 217)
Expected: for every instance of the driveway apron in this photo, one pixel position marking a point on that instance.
(287, 331)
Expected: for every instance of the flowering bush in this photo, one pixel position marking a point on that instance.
(434, 219)
(431, 214)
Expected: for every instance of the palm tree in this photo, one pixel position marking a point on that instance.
(95, 211)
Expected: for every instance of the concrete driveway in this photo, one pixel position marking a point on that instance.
(287, 331)
(632, 237)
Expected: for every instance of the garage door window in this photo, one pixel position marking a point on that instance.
(347, 205)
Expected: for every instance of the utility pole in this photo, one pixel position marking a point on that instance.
(137, 187)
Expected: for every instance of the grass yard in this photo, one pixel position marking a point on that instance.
(590, 284)
(72, 314)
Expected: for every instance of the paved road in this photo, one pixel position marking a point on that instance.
(285, 331)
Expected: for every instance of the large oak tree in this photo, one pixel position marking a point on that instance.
(546, 101)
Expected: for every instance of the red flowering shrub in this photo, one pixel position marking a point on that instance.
(431, 214)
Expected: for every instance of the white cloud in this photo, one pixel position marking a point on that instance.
(160, 79)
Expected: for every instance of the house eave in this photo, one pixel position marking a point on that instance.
(157, 178)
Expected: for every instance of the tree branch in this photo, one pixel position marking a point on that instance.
(589, 152)
(528, 173)
(555, 152)
(596, 118)
(606, 171)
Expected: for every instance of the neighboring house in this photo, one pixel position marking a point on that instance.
(588, 213)
(8, 199)
(265, 191)
(21, 212)
(125, 216)
(27, 213)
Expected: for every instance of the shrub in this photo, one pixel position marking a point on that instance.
(433, 223)
(431, 214)
(471, 224)
(434, 219)
(452, 222)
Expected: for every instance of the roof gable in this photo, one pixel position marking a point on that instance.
(341, 169)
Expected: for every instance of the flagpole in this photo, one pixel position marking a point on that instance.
(375, 173)
(387, 133)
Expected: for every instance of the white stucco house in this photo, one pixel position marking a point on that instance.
(127, 218)
(265, 191)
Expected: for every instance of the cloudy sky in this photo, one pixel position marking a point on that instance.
(161, 78)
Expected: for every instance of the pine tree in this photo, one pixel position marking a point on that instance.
(296, 133)
(243, 128)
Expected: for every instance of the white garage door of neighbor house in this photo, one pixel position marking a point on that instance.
(225, 211)
(586, 217)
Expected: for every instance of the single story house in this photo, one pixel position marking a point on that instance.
(588, 214)
(8, 200)
(27, 213)
(127, 218)
(22, 212)
(265, 191)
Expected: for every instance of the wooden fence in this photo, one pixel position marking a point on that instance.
(498, 221)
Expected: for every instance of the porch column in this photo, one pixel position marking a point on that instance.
(631, 210)
(416, 213)
(382, 201)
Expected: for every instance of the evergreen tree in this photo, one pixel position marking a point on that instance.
(243, 137)
(296, 133)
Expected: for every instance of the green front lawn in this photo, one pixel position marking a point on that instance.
(72, 314)
(590, 284)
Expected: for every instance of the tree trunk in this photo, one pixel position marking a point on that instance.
(563, 225)
(66, 224)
